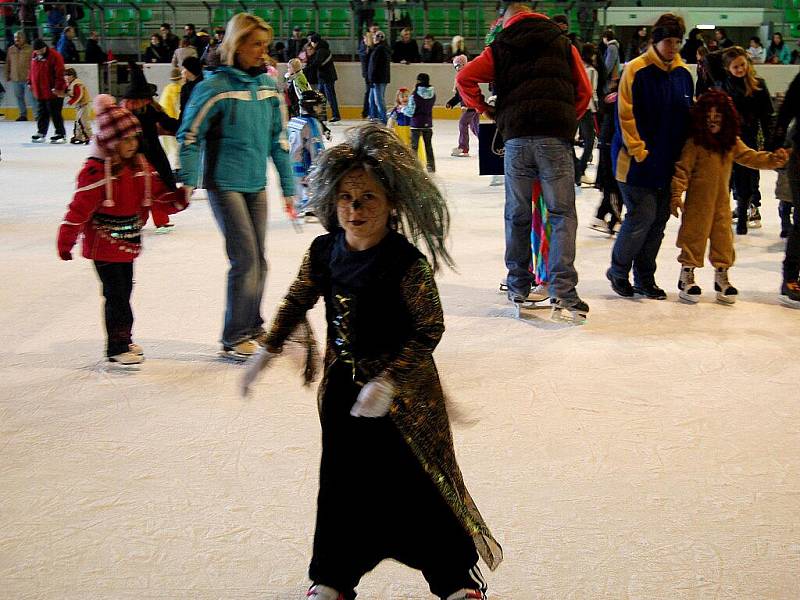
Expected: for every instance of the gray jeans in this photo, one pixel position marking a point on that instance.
(242, 219)
(549, 160)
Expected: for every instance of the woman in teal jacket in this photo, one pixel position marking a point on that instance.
(233, 122)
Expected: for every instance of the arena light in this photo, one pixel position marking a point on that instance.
(706, 26)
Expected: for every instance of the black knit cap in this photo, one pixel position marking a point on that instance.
(38, 44)
(424, 79)
(668, 26)
(193, 65)
(138, 88)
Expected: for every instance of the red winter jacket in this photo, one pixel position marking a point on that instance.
(112, 233)
(47, 74)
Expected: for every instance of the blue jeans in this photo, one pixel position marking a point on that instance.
(242, 219)
(639, 238)
(377, 107)
(329, 89)
(549, 160)
(21, 92)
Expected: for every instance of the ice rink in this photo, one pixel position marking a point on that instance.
(653, 453)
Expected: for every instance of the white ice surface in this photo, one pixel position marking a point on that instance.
(652, 453)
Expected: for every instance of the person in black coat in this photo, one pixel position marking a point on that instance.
(326, 70)
(157, 51)
(379, 76)
(432, 51)
(693, 42)
(405, 50)
(364, 50)
(294, 45)
(192, 71)
(94, 55)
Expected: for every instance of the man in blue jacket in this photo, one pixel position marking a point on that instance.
(655, 95)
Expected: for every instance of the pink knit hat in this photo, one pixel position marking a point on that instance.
(459, 61)
(112, 124)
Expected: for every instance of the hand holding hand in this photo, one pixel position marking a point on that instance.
(255, 364)
(374, 399)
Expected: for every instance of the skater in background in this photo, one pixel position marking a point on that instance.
(46, 80)
(542, 90)
(789, 111)
(234, 167)
(754, 105)
(608, 214)
(400, 123)
(654, 97)
(469, 116)
(306, 133)
(420, 109)
(116, 190)
(138, 98)
(170, 101)
(703, 172)
(296, 85)
(77, 95)
(192, 73)
(386, 436)
(587, 124)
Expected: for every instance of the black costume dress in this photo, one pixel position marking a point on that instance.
(389, 487)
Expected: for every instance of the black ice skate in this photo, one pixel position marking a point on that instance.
(58, 139)
(38, 138)
(323, 592)
(651, 291)
(535, 299)
(726, 293)
(571, 310)
(689, 291)
(790, 294)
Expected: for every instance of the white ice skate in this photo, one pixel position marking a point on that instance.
(135, 349)
(569, 310)
(459, 152)
(688, 290)
(726, 293)
(323, 592)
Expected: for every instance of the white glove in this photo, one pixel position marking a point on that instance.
(255, 364)
(374, 399)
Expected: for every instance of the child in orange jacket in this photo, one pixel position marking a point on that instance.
(116, 189)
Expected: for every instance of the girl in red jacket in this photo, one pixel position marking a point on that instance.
(116, 190)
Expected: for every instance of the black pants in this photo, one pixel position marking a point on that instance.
(791, 262)
(50, 109)
(376, 502)
(586, 131)
(117, 280)
(427, 136)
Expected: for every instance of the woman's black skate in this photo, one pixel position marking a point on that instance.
(571, 310)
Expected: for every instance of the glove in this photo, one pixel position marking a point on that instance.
(374, 399)
(65, 255)
(255, 364)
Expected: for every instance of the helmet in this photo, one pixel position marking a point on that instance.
(310, 100)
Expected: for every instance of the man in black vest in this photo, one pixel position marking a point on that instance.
(542, 90)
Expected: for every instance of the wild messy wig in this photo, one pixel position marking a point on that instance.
(419, 210)
(725, 140)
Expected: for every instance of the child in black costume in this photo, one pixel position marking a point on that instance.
(390, 486)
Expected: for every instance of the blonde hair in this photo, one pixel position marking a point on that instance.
(296, 64)
(238, 30)
(457, 43)
(751, 83)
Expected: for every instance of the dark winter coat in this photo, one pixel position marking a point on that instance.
(294, 47)
(323, 60)
(420, 107)
(363, 56)
(186, 92)
(755, 111)
(533, 80)
(790, 109)
(379, 70)
(157, 54)
(434, 55)
(405, 51)
(66, 48)
(94, 53)
(151, 119)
